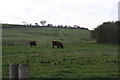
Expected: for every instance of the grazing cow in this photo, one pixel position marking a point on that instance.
(33, 43)
(58, 44)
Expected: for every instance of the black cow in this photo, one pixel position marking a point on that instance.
(32, 43)
(58, 44)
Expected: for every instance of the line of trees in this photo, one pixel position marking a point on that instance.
(107, 33)
(43, 22)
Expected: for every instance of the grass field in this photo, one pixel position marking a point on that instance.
(78, 58)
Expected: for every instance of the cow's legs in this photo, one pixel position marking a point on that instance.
(58, 46)
(53, 46)
(61, 47)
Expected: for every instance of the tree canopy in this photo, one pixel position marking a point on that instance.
(107, 33)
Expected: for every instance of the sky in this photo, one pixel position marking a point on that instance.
(84, 13)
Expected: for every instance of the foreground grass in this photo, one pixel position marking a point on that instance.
(77, 60)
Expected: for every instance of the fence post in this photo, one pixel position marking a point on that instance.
(24, 71)
(13, 71)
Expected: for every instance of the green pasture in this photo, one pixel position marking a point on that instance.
(46, 35)
(78, 58)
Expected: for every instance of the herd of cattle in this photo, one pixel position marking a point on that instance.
(58, 44)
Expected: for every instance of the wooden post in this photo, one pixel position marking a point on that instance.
(13, 71)
(24, 71)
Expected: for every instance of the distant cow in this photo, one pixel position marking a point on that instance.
(32, 43)
(58, 44)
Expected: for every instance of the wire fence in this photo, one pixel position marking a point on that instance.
(8, 42)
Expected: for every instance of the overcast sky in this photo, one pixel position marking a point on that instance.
(84, 13)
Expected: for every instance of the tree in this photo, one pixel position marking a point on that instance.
(106, 33)
(43, 22)
(49, 25)
(36, 24)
